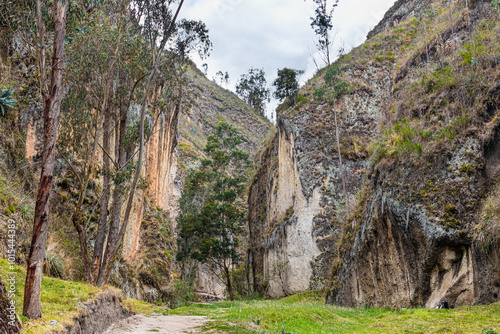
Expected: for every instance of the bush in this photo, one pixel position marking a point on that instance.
(53, 265)
(5, 101)
(184, 293)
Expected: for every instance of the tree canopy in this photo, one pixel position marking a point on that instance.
(251, 87)
(212, 210)
(322, 25)
(287, 84)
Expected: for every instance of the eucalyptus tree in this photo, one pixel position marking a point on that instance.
(58, 17)
(337, 88)
(117, 66)
(322, 25)
(251, 87)
(287, 84)
(212, 205)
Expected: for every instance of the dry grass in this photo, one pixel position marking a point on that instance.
(488, 230)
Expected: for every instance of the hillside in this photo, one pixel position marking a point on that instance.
(419, 138)
(173, 148)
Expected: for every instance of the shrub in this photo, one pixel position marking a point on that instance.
(53, 265)
(184, 293)
(5, 101)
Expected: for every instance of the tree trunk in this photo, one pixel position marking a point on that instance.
(451, 19)
(52, 106)
(111, 252)
(116, 205)
(342, 173)
(228, 282)
(103, 210)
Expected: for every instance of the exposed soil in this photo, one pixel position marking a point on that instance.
(141, 324)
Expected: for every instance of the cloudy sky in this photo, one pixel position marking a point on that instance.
(272, 34)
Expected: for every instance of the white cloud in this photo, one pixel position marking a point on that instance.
(272, 34)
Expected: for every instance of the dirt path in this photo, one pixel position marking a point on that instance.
(170, 324)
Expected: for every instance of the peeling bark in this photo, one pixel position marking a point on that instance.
(52, 106)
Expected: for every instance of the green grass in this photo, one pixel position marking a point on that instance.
(137, 306)
(59, 299)
(307, 313)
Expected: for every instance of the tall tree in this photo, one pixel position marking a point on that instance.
(108, 68)
(52, 91)
(322, 25)
(212, 210)
(287, 84)
(251, 87)
(337, 89)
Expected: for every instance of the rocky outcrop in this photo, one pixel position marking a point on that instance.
(97, 315)
(175, 145)
(420, 159)
(296, 201)
(9, 322)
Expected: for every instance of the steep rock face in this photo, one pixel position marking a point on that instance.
(417, 241)
(421, 162)
(9, 322)
(294, 229)
(176, 144)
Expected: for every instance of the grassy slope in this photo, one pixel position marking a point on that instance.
(60, 300)
(307, 313)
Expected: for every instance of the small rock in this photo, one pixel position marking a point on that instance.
(53, 323)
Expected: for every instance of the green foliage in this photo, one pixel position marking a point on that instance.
(495, 6)
(337, 87)
(398, 141)
(184, 293)
(308, 313)
(212, 212)
(322, 24)
(53, 265)
(251, 87)
(320, 93)
(5, 101)
(489, 330)
(287, 84)
(437, 80)
(468, 52)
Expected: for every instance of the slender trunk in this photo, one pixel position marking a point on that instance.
(228, 282)
(116, 204)
(247, 271)
(32, 307)
(342, 172)
(103, 209)
(451, 19)
(426, 45)
(41, 52)
(327, 49)
(470, 30)
(78, 219)
(110, 256)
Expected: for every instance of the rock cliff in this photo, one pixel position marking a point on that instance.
(419, 139)
(175, 145)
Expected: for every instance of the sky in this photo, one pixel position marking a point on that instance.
(273, 34)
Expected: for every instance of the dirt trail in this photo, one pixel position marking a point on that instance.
(170, 324)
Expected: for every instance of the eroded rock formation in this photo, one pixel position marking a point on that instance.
(421, 162)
